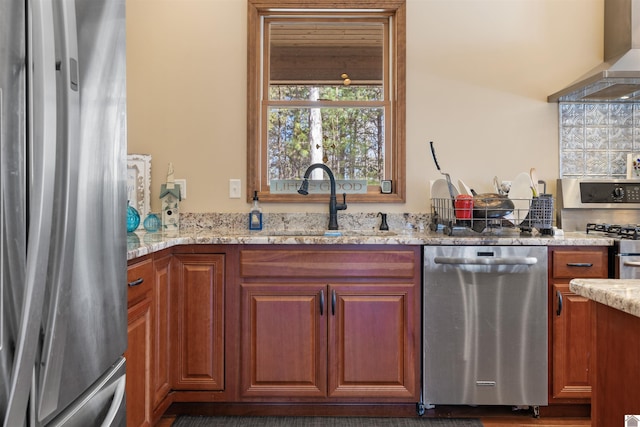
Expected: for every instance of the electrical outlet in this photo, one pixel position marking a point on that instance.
(183, 187)
(235, 188)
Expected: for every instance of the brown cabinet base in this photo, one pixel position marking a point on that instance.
(329, 323)
(616, 365)
(570, 331)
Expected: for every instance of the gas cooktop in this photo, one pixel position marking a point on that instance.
(631, 231)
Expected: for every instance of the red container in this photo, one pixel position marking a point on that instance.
(463, 206)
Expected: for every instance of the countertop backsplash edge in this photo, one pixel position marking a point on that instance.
(404, 228)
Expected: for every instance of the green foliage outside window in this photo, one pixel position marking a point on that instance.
(351, 124)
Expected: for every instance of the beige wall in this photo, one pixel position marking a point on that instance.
(478, 74)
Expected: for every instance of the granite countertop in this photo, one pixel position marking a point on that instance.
(621, 294)
(141, 243)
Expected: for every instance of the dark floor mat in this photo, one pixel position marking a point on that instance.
(234, 421)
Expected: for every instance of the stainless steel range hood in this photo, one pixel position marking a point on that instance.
(618, 78)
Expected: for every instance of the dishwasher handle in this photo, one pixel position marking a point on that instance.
(485, 260)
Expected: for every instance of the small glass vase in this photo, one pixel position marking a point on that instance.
(133, 218)
(152, 223)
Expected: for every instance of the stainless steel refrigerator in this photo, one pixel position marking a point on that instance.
(63, 212)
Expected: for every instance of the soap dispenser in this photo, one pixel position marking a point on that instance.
(255, 215)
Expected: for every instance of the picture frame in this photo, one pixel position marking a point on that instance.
(633, 166)
(139, 183)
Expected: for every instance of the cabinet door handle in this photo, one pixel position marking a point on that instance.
(321, 302)
(559, 310)
(333, 302)
(136, 282)
(579, 264)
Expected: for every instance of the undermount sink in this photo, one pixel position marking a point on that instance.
(327, 233)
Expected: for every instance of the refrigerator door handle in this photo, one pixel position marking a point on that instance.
(108, 392)
(2, 315)
(65, 206)
(116, 404)
(42, 146)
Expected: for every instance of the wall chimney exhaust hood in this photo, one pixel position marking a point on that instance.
(618, 78)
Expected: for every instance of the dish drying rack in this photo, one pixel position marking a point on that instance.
(538, 214)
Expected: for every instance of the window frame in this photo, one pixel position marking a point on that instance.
(395, 157)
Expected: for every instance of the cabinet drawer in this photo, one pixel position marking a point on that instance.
(328, 263)
(139, 279)
(579, 264)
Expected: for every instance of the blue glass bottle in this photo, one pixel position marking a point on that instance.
(152, 223)
(133, 218)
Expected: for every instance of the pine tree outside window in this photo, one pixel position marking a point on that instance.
(328, 87)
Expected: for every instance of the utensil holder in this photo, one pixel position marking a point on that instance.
(541, 212)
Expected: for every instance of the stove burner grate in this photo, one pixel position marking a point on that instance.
(630, 232)
(623, 231)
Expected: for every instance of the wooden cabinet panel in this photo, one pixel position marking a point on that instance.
(161, 372)
(138, 355)
(329, 324)
(284, 340)
(617, 366)
(371, 341)
(139, 337)
(199, 297)
(571, 343)
(139, 279)
(571, 333)
(327, 263)
(571, 264)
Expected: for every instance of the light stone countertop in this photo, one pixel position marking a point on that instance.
(621, 294)
(141, 243)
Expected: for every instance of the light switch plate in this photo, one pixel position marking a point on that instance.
(235, 188)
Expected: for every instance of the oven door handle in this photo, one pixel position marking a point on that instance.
(485, 261)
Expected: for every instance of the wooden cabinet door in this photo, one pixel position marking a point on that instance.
(373, 349)
(572, 338)
(199, 341)
(138, 355)
(571, 332)
(161, 366)
(284, 340)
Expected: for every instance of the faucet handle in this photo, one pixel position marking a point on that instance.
(342, 206)
(383, 224)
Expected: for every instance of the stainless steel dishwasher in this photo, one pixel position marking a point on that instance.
(485, 325)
